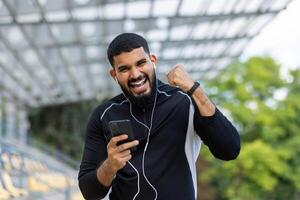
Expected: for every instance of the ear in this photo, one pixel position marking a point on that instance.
(112, 73)
(153, 58)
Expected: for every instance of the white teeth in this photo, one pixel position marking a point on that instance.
(139, 83)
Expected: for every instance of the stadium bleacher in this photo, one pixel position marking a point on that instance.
(27, 173)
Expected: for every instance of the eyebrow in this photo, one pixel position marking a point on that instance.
(141, 61)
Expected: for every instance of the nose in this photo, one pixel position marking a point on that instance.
(134, 73)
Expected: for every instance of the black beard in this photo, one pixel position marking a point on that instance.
(143, 99)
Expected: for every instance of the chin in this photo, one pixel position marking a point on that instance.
(144, 94)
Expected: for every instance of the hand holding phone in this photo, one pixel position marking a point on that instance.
(120, 127)
(118, 156)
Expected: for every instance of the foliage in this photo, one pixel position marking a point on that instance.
(252, 94)
(62, 127)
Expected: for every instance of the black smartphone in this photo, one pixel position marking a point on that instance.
(120, 127)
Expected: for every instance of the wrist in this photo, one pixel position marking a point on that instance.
(108, 168)
(193, 88)
(105, 174)
(188, 85)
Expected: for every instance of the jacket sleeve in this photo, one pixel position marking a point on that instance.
(218, 134)
(93, 155)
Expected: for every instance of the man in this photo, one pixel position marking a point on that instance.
(169, 124)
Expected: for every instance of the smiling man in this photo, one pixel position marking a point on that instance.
(169, 124)
(134, 72)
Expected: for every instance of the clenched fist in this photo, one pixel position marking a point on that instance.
(177, 76)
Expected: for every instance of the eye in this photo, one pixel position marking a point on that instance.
(141, 63)
(123, 69)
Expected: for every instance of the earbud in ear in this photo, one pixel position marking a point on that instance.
(154, 66)
(116, 79)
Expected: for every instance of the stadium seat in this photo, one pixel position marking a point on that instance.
(16, 162)
(8, 184)
(4, 194)
(6, 161)
(35, 185)
(25, 175)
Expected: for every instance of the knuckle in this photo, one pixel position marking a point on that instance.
(113, 140)
(175, 79)
(109, 150)
(126, 153)
(120, 148)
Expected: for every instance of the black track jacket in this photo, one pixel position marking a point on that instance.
(166, 170)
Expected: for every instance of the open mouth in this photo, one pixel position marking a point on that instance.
(138, 83)
(138, 86)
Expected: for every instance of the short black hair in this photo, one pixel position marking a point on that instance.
(125, 42)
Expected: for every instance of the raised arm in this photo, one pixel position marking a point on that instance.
(215, 130)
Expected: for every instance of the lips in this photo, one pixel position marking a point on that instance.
(138, 86)
(138, 83)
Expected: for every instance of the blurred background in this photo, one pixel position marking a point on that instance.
(53, 72)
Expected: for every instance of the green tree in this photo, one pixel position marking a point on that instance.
(266, 108)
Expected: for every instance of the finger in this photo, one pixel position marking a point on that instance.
(114, 140)
(120, 162)
(170, 72)
(127, 158)
(124, 153)
(171, 82)
(169, 77)
(180, 66)
(127, 145)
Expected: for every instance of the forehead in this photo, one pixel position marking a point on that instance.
(127, 58)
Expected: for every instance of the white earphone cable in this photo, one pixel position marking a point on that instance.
(138, 181)
(146, 146)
